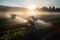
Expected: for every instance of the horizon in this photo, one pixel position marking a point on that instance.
(25, 3)
(26, 7)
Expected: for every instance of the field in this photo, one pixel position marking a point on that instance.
(11, 30)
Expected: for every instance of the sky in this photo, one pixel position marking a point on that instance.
(24, 3)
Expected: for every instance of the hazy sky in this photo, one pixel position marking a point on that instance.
(23, 3)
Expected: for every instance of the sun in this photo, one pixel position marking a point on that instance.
(31, 7)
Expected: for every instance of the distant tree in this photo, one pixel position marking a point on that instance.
(44, 8)
(50, 8)
(53, 8)
(57, 9)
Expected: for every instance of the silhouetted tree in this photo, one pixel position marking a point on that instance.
(50, 8)
(53, 9)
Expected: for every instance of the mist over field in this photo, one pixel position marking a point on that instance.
(47, 21)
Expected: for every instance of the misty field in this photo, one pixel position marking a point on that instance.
(12, 30)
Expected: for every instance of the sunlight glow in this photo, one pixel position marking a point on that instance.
(31, 7)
